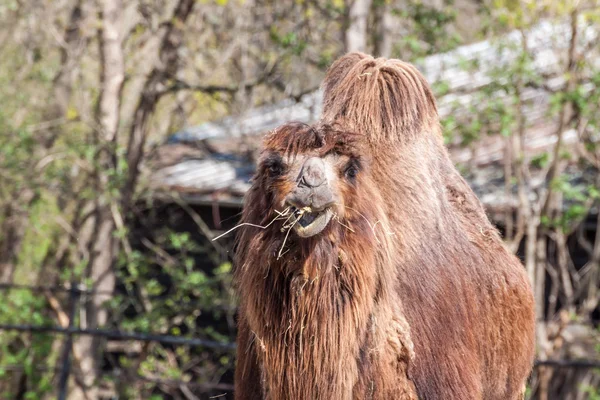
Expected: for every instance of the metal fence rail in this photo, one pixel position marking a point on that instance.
(121, 335)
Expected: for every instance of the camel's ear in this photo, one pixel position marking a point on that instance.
(387, 100)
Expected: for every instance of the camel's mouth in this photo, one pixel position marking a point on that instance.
(311, 222)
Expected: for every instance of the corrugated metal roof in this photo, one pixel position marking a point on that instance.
(255, 121)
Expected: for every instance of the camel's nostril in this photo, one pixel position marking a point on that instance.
(313, 172)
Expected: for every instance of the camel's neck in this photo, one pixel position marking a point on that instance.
(311, 325)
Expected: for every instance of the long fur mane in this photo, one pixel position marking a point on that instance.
(430, 297)
(322, 304)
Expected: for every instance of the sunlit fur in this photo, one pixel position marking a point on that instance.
(419, 297)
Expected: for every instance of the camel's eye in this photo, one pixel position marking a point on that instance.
(352, 169)
(274, 166)
(275, 169)
(352, 172)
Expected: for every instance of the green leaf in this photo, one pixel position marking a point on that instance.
(196, 278)
(540, 160)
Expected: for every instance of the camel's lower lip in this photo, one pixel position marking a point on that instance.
(310, 223)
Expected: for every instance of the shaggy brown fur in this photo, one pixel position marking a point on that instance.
(409, 292)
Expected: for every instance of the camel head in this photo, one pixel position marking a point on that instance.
(313, 184)
(314, 176)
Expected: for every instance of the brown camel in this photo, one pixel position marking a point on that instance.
(366, 267)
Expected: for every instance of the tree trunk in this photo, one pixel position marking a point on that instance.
(13, 229)
(384, 25)
(103, 245)
(593, 298)
(101, 273)
(167, 66)
(355, 37)
(63, 81)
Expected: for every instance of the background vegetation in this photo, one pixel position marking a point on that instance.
(88, 88)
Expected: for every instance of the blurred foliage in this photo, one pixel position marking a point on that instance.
(429, 30)
(57, 172)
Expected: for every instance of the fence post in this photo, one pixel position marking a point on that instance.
(66, 354)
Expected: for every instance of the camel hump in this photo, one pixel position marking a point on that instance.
(387, 99)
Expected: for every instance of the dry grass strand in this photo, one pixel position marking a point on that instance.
(280, 215)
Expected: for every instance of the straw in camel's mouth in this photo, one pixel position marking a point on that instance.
(311, 222)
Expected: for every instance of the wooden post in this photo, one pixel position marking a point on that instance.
(63, 382)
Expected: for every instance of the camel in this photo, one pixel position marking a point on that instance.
(365, 266)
